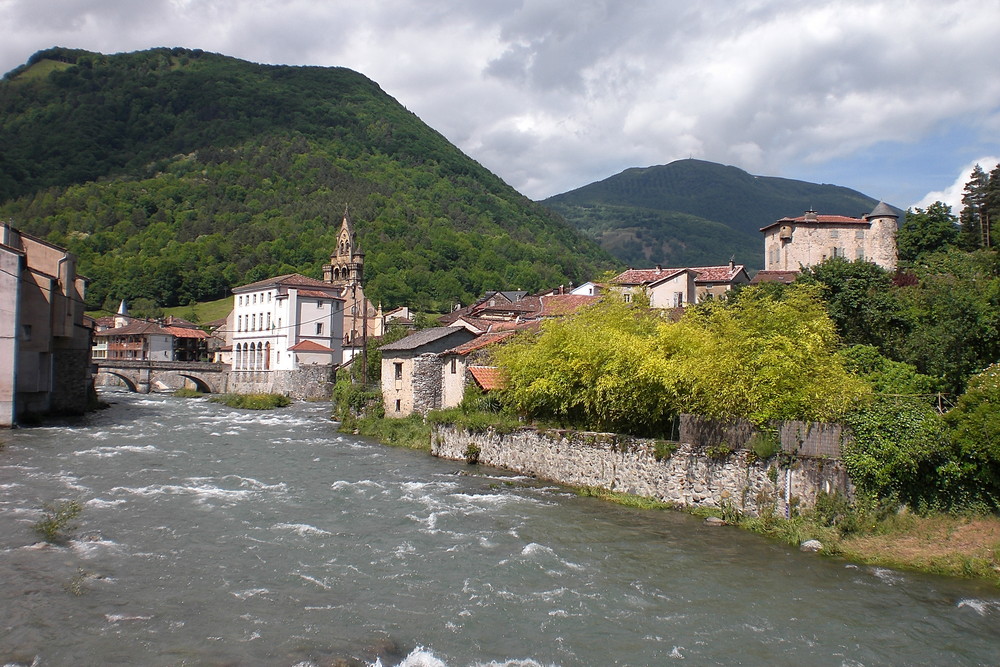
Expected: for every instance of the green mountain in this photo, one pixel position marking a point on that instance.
(176, 174)
(694, 213)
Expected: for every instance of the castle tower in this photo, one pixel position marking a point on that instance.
(347, 262)
(881, 239)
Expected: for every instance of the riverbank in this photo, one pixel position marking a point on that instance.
(943, 544)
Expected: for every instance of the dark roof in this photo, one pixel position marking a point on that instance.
(423, 337)
(136, 328)
(882, 211)
(786, 277)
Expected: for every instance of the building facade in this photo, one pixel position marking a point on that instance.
(271, 317)
(792, 243)
(44, 340)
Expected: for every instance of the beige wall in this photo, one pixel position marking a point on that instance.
(813, 243)
(394, 390)
(452, 382)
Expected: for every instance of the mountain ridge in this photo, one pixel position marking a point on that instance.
(175, 174)
(692, 212)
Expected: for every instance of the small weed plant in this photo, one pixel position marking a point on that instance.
(55, 522)
(187, 392)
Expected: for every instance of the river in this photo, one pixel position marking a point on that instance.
(213, 536)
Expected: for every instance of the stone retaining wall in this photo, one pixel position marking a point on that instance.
(306, 383)
(686, 476)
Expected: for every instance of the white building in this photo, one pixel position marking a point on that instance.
(285, 323)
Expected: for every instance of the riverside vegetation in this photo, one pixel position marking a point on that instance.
(905, 361)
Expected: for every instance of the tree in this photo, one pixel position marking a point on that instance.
(927, 230)
(975, 216)
(760, 358)
(860, 300)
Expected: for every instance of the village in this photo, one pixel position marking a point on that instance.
(290, 334)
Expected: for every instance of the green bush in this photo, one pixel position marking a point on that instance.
(185, 392)
(472, 453)
(897, 447)
(351, 401)
(764, 445)
(975, 434)
(252, 401)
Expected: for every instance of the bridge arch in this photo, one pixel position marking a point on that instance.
(130, 382)
(200, 384)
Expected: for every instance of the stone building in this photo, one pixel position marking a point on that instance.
(792, 243)
(44, 340)
(411, 369)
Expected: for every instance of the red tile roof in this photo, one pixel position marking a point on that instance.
(643, 276)
(316, 294)
(184, 332)
(488, 377)
(557, 305)
(309, 346)
(819, 220)
(287, 280)
(717, 274)
(480, 342)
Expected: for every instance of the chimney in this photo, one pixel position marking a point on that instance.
(810, 216)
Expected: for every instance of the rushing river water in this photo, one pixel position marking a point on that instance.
(211, 536)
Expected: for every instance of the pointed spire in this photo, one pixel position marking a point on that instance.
(123, 308)
(881, 211)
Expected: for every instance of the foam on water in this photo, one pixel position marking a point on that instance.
(107, 452)
(301, 529)
(981, 607)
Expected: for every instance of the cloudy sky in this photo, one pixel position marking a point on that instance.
(895, 98)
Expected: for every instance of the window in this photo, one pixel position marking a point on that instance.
(860, 234)
(319, 305)
(834, 233)
(839, 252)
(860, 253)
(239, 323)
(255, 298)
(319, 328)
(454, 365)
(678, 299)
(269, 320)
(26, 332)
(241, 300)
(398, 405)
(628, 297)
(269, 297)
(398, 369)
(253, 322)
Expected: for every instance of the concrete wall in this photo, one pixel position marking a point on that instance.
(688, 476)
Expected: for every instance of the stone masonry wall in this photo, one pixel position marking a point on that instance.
(306, 383)
(426, 383)
(688, 476)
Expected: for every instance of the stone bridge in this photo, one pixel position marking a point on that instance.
(146, 376)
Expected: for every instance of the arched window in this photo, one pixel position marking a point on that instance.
(237, 358)
(247, 360)
(267, 356)
(260, 356)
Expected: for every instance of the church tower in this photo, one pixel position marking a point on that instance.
(347, 262)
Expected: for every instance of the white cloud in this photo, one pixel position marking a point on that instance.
(952, 195)
(553, 94)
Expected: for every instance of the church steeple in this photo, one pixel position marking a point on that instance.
(347, 262)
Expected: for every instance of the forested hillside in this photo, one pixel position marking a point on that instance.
(693, 212)
(175, 175)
